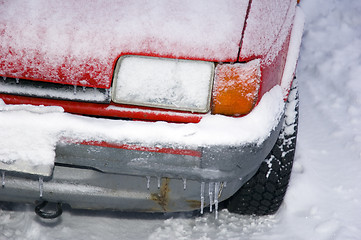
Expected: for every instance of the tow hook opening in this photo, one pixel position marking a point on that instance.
(46, 212)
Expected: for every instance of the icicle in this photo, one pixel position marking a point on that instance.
(216, 192)
(4, 78)
(74, 90)
(224, 184)
(148, 182)
(184, 183)
(41, 186)
(84, 89)
(17, 80)
(158, 182)
(202, 196)
(3, 179)
(210, 193)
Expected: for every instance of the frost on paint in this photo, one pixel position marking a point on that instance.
(78, 42)
(267, 28)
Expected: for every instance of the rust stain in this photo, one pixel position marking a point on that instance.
(162, 197)
(194, 204)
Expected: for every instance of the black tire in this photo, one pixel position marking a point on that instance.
(263, 194)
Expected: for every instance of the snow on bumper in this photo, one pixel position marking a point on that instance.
(33, 138)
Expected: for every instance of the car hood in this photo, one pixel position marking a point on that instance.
(79, 42)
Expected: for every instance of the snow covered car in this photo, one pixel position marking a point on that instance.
(162, 106)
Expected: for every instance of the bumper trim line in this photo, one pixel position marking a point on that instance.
(184, 152)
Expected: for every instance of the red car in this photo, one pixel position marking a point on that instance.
(162, 106)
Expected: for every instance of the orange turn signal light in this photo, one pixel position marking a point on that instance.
(236, 88)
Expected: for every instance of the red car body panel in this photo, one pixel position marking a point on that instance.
(66, 64)
(266, 36)
(79, 42)
(107, 110)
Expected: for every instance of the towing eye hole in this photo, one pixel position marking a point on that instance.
(48, 214)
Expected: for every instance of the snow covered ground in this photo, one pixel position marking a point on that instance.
(324, 197)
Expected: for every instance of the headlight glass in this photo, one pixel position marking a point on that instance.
(163, 83)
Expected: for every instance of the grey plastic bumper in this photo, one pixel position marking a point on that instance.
(96, 177)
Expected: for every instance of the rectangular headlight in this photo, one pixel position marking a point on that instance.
(163, 83)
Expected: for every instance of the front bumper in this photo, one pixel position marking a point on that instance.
(118, 170)
(90, 177)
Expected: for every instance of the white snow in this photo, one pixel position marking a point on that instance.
(324, 198)
(167, 83)
(27, 141)
(293, 50)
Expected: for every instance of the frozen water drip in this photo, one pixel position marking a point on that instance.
(202, 196)
(158, 182)
(184, 183)
(216, 196)
(210, 193)
(148, 182)
(41, 186)
(3, 179)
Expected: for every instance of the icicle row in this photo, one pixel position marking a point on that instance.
(214, 192)
(158, 182)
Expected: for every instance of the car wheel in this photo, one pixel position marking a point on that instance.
(263, 194)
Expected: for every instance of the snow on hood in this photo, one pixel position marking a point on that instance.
(78, 42)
